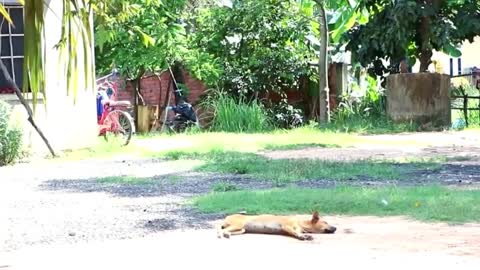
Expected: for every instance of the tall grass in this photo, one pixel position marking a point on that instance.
(237, 115)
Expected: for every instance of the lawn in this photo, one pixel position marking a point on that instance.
(429, 203)
(157, 145)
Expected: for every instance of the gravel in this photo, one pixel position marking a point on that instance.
(65, 202)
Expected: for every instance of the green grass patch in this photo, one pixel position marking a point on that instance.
(103, 149)
(157, 145)
(370, 125)
(288, 170)
(431, 203)
(298, 146)
(130, 180)
(279, 139)
(224, 187)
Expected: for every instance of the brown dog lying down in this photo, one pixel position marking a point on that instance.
(295, 226)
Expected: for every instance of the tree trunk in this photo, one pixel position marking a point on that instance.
(424, 28)
(27, 107)
(425, 54)
(324, 116)
(136, 97)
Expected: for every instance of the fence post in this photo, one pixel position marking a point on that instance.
(479, 109)
(465, 108)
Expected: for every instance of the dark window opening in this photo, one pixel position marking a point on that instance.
(12, 48)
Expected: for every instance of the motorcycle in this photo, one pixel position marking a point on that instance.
(184, 113)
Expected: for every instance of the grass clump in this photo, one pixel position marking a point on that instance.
(237, 115)
(130, 180)
(224, 187)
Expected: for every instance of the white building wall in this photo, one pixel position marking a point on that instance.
(66, 124)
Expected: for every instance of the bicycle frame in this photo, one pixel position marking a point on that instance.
(106, 110)
(102, 127)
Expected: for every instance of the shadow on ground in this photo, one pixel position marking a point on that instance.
(192, 183)
(183, 184)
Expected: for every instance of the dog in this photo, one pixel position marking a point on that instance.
(294, 226)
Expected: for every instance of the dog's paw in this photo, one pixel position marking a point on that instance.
(226, 235)
(306, 237)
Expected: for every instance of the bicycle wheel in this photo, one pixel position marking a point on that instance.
(120, 127)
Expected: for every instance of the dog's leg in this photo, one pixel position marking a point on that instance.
(232, 230)
(296, 232)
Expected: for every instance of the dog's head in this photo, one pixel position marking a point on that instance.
(318, 225)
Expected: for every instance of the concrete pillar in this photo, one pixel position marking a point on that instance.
(423, 98)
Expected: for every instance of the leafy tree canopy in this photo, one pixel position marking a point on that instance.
(264, 45)
(411, 29)
(138, 36)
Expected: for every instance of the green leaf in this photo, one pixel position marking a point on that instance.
(147, 40)
(452, 50)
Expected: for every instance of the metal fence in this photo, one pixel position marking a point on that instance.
(465, 94)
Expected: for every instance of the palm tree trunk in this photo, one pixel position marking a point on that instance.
(24, 102)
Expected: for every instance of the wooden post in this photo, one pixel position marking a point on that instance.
(478, 109)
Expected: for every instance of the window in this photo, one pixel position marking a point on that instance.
(11, 47)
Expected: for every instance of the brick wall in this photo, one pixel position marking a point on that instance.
(154, 91)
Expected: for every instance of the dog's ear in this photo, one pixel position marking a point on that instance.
(315, 217)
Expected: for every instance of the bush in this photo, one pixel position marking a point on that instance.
(284, 115)
(236, 115)
(10, 136)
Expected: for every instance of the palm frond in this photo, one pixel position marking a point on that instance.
(34, 51)
(5, 14)
(77, 37)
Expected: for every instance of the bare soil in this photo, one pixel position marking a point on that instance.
(361, 242)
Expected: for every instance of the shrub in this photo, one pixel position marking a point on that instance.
(284, 115)
(10, 136)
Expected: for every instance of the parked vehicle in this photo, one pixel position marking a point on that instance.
(184, 113)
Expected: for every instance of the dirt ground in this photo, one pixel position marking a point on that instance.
(376, 243)
(64, 219)
(464, 146)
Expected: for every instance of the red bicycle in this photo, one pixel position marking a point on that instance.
(114, 122)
